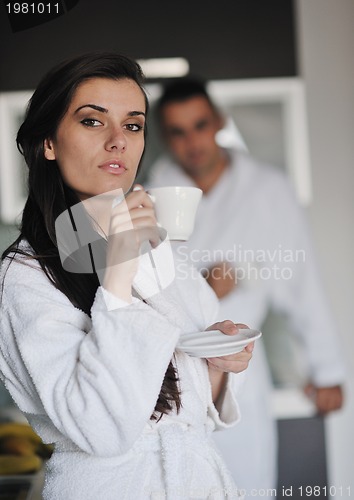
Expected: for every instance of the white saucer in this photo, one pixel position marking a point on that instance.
(213, 343)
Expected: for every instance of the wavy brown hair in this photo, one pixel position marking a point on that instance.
(49, 196)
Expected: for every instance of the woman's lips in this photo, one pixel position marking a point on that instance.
(113, 167)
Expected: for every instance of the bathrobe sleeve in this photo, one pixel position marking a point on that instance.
(97, 381)
(226, 413)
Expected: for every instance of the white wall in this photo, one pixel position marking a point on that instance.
(326, 57)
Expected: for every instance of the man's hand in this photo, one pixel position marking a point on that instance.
(221, 278)
(326, 399)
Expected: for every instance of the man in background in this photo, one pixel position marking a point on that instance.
(252, 245)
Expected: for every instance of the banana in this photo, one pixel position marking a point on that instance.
(20, 439)
(20, 430)
(14, 464)
(17, 445)
(44, 450)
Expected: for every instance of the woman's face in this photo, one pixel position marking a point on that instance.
(100, 140)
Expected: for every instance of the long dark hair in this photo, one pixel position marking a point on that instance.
(49, 196)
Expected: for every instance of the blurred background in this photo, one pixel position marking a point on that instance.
(305, 49)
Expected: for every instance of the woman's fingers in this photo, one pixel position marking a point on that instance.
(132, 223)
(234, 363)
(249, 347)
(134, 219)
(138, 197)
(227, 327)
(148, 233)
(238, 356)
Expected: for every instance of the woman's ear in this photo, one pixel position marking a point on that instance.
(49, 152)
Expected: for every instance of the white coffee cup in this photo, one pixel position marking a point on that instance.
(175, 209)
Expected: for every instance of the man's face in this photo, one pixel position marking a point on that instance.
(189, 128)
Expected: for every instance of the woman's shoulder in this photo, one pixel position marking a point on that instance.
(23, 279)
(20, 266)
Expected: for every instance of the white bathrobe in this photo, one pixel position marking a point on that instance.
(252, 209)
(91, 385)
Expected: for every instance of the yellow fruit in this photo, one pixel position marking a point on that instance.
(44, 450)
(15, 464)
(20, 430)
(17, 445)
(20, 439)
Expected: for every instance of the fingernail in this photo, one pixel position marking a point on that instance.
(137, 188)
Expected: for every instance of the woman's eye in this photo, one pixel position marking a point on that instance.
(91, 122)
(134, 127)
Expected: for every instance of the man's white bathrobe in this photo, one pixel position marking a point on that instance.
(251, 218)
(91, 385)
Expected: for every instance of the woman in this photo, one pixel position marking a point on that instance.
(94, 367)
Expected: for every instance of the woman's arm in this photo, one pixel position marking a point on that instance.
(98, 382)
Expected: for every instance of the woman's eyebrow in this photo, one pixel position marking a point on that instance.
(104, 110)
(136, 113)
(93, 106)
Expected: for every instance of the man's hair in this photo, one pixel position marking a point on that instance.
(181, 90)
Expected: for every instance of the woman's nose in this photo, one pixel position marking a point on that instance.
(116, 139)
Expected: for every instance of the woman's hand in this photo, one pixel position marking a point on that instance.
(132, 223)
(235, 363)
